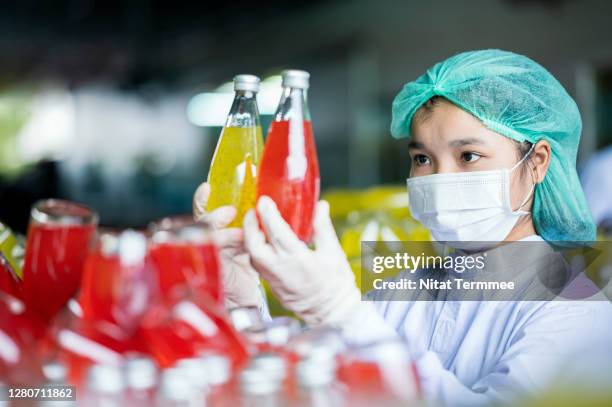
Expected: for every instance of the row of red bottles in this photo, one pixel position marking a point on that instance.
(162, 296)
(316, 367)
(91, 297)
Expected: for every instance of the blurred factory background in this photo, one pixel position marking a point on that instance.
(118, 103)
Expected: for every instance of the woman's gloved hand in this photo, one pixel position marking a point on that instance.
(317, 285)
(240, 280)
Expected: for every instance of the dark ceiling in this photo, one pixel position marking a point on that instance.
(132, 42)
(129, 41)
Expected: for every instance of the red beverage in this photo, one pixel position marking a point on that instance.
(98, 286)
(187, 327)
(289, 169)
(213, 283)
(379, 373)
(117, 284)
(364, 378)
(181, 265)
(86, 343)
(185, 257)
(81, 343)
(58, 240)
(19, 358)
(295, 197)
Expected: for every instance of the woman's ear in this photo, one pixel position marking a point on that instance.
(540, 160)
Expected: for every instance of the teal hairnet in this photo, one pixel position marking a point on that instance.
(515, 97)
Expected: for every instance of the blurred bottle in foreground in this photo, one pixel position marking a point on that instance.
(261, 383)
(379, 374)
(105, 387)
(58, 241)
(55, 374)
(188, 326)
(10, 283)
(184, 256)
(316, 377)
(117, 286)
(141, 381)
(289, 170)
(221, 387)
(233, 170)
(19, 363)
(12, 249)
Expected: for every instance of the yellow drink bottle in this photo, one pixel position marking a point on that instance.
(11, 250)
(233, 171)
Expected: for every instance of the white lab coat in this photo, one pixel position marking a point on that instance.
(477, 352)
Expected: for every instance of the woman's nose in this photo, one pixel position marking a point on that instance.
(445, 168)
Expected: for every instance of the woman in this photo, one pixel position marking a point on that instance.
(492, 123)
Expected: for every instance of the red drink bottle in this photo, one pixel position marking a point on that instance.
(117, 285)
(186, 326)
(19, 359)
(184, 256)
(83, 344)
(380, 373)
(58, 241)
(289, 170)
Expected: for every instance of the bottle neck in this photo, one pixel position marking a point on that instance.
(244, 111)
(293, 105)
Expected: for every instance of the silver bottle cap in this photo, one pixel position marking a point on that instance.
(311, 373)
(195, 370)
(280, 329)
(55, 372)
(273, 364)
(256, 381)
(294, 78)
(141, 373)
(106, 379)
(218, 369)
(249, 83)
(176, 386)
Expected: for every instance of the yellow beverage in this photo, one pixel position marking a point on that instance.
(233, 170)
(11, 249)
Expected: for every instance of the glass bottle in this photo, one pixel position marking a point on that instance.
(233, 170)
(141, 381)
(260, 388)
(105, 386)
(117, 285)
(59, 236)
(12, 249)
(184, 255)
(289, 169)
(316, 376)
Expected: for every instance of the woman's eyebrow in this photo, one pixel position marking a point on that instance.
(415, 145)
(465, 141)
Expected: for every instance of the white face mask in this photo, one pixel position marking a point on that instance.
(466, 207)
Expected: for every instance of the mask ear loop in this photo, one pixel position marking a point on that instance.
(524, 157)
(531, 191)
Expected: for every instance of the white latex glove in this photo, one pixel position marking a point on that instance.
(317, 285)
(240, 280)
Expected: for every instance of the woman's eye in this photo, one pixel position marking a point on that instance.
(469, 157)
(420, 159)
